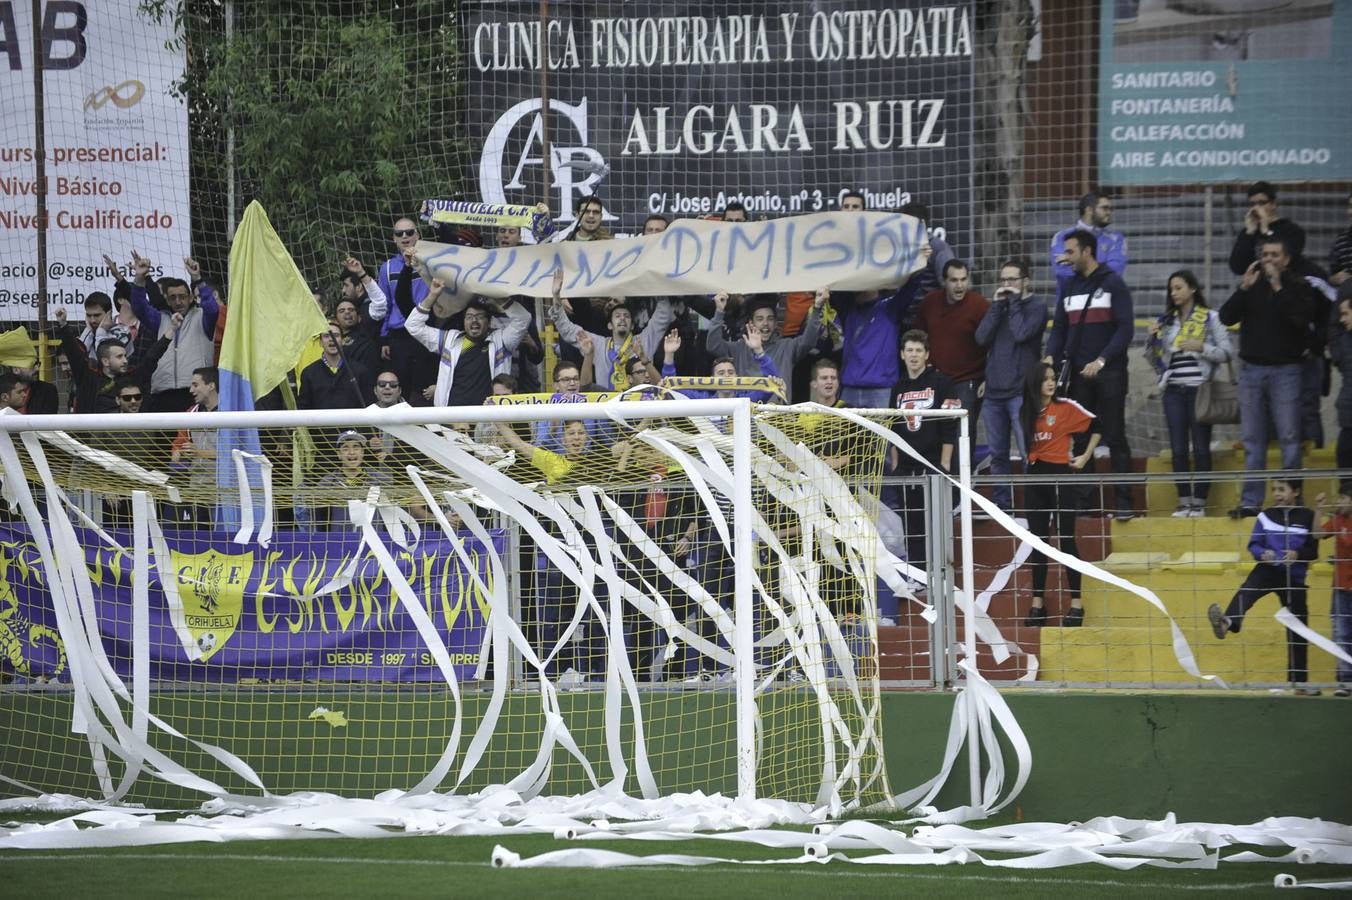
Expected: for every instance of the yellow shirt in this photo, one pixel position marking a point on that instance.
(552, 465)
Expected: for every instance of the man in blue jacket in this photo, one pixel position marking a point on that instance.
(1096, 214)
(399, 282)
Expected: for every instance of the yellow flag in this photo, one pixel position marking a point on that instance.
(16, 349)
(272, 318)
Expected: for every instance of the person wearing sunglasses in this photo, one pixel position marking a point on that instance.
(399, 281)
(388, 391)
(129, 396)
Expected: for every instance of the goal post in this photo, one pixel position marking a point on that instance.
(690, 606)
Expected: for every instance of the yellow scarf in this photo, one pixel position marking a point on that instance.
(1191, 329)
(619, 362)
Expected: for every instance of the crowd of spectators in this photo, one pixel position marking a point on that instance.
(940, 340)
(937, 341)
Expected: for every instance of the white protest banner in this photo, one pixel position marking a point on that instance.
(116, 150)
(842, 250)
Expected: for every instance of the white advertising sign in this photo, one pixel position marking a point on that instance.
(116, 150)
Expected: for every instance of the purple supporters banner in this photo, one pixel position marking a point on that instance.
(246, 613)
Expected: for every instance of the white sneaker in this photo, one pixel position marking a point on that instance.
(1197, 512)
(1184, 511)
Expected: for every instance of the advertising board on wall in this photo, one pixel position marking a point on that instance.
(678, 108)
(116, 149)
(1224, 91)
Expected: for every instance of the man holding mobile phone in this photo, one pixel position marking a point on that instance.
(1011, 332)
(1275, 311)
(1261, 222)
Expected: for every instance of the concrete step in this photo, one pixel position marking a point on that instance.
(1232, 458)
(1173, 537)
(1187, 592)
(1136, 654)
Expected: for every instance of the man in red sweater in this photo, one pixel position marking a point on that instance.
(950, 315)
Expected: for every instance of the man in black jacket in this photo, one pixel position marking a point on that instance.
(1262, 222)
(1091, 331)
(96, 386)
(921, 387)
(334, 381)
(1275, 311)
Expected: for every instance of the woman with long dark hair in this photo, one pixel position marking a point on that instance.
(1050, 423)
(1186, 345)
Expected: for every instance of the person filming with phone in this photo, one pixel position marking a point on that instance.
(1275, 311)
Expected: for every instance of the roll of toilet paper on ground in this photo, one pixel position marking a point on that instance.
(817, 850)
(823, 828)
(1284, 880)
(504, 858)
(1305, 856)
(567, 833)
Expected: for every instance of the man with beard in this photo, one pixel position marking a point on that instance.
(786, 352)
(359, 308)
(1096, 214)
(96, 388)
(613, 352)
(472, 356)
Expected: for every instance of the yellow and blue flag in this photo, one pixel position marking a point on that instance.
(272, 320)
(273, 317)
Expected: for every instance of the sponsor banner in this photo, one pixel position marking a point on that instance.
(851, 250)
(678, 107)
(116, 150)
(246, 612)
(1194, 93)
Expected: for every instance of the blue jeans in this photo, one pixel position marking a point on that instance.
(1341, 614)
(1268, 391)
(867, 397)
(1180, 404)
(967, 395)
(1001, 418)
(1311, 389)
